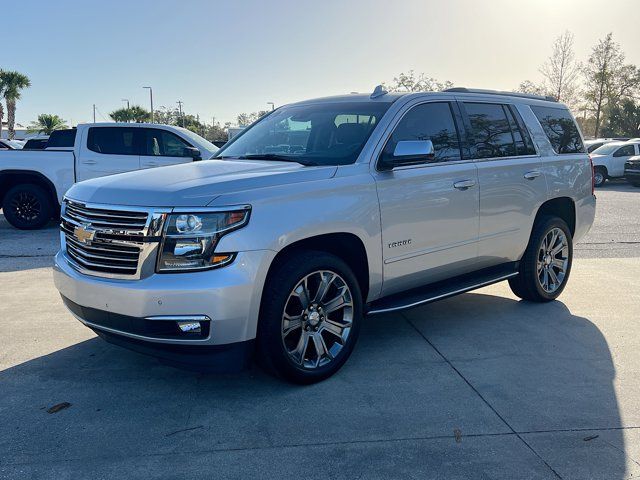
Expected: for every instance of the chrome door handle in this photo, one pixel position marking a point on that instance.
(89, 162)
(464, 184)
(532, 174)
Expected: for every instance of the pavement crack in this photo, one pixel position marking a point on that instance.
(477, 392)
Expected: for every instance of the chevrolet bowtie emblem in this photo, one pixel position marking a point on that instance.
(84, 233)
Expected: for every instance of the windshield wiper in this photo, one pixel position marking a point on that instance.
(277, 158)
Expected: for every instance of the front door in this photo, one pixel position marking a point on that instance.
(429, 212)
(162, 148)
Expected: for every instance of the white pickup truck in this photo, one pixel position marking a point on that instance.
(32, 183)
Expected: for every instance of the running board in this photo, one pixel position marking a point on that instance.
(443, 289)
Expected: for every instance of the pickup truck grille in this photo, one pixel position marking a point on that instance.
(109, 242)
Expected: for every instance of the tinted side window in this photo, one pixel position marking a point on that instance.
(163, 143)
(429, 121)
(62, 138)
(625, 151)
(112, 140)
(490, 130)
(560, 128)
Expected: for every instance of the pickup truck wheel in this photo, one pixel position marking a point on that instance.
(27, 206)
(546, 264)
(310, 317)
(599, 176)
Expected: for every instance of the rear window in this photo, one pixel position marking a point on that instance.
(112, 140)
(561, 129)
(62, 138)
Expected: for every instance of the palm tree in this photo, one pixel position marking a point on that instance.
(139, 114)
(1, 107)
(46, 124)
(121, 115)
(13, 82)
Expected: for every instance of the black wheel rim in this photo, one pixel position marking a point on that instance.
(25, 206)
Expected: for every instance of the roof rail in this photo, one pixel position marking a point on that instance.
(547, 98)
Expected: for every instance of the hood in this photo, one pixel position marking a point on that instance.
(193, 184)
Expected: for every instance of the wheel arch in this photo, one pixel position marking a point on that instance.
(346, 246)
(562, 207)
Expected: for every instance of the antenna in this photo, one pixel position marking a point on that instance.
(379, 91)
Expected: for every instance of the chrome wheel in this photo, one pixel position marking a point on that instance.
(553, 260)
(317, 319)
(25, 206)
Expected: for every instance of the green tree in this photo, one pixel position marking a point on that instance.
(608, 79)
(410, 82)
(245, 119)
(46, 124)
(622, 119)
(135, 113)
(121, 115)
(12, 84)
(531, 88)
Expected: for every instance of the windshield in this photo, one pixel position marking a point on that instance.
(607, 149)
(313, 134)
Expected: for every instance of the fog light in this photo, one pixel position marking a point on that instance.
(190, 327)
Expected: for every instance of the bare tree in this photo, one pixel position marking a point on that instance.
(532, 88)
(607, 78)
(410, 82)
(561, 70)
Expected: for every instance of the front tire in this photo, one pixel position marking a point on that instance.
(546, 263)
(27, 206)
(310, 317)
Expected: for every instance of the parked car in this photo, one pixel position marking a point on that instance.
(609, 159)
(323, 212)
(632, 171)
(36, 143)
(10, 144)
(32, 184)
(591, 145)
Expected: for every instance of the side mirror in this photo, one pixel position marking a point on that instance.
(408, 152)
(192, 152)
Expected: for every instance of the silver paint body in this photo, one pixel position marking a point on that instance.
(485, 220)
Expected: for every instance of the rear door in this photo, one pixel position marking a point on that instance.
(429, 212)
(109, 150)
(512, 184)
(162, 147)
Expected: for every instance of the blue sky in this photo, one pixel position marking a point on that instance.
(223, 58)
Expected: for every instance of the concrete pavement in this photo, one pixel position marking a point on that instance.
(477, 386)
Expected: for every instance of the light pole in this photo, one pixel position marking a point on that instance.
(273, 106)
(179, 102)
(151, 100)
(126, 100)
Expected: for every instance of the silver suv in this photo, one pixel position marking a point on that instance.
(322, 213)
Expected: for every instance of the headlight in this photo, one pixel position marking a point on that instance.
(190, 239)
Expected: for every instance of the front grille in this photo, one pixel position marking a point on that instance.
(119, 238)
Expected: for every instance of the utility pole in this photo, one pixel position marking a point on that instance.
(180, 102)
(151, 100)
(94, 113)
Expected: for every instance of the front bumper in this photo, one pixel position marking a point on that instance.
(228, 296)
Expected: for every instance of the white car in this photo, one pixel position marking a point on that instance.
(33, 182)
(609, 159)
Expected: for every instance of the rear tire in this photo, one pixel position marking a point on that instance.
(304, 335)
(546, 263)
(599, 176)
(27, 206)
